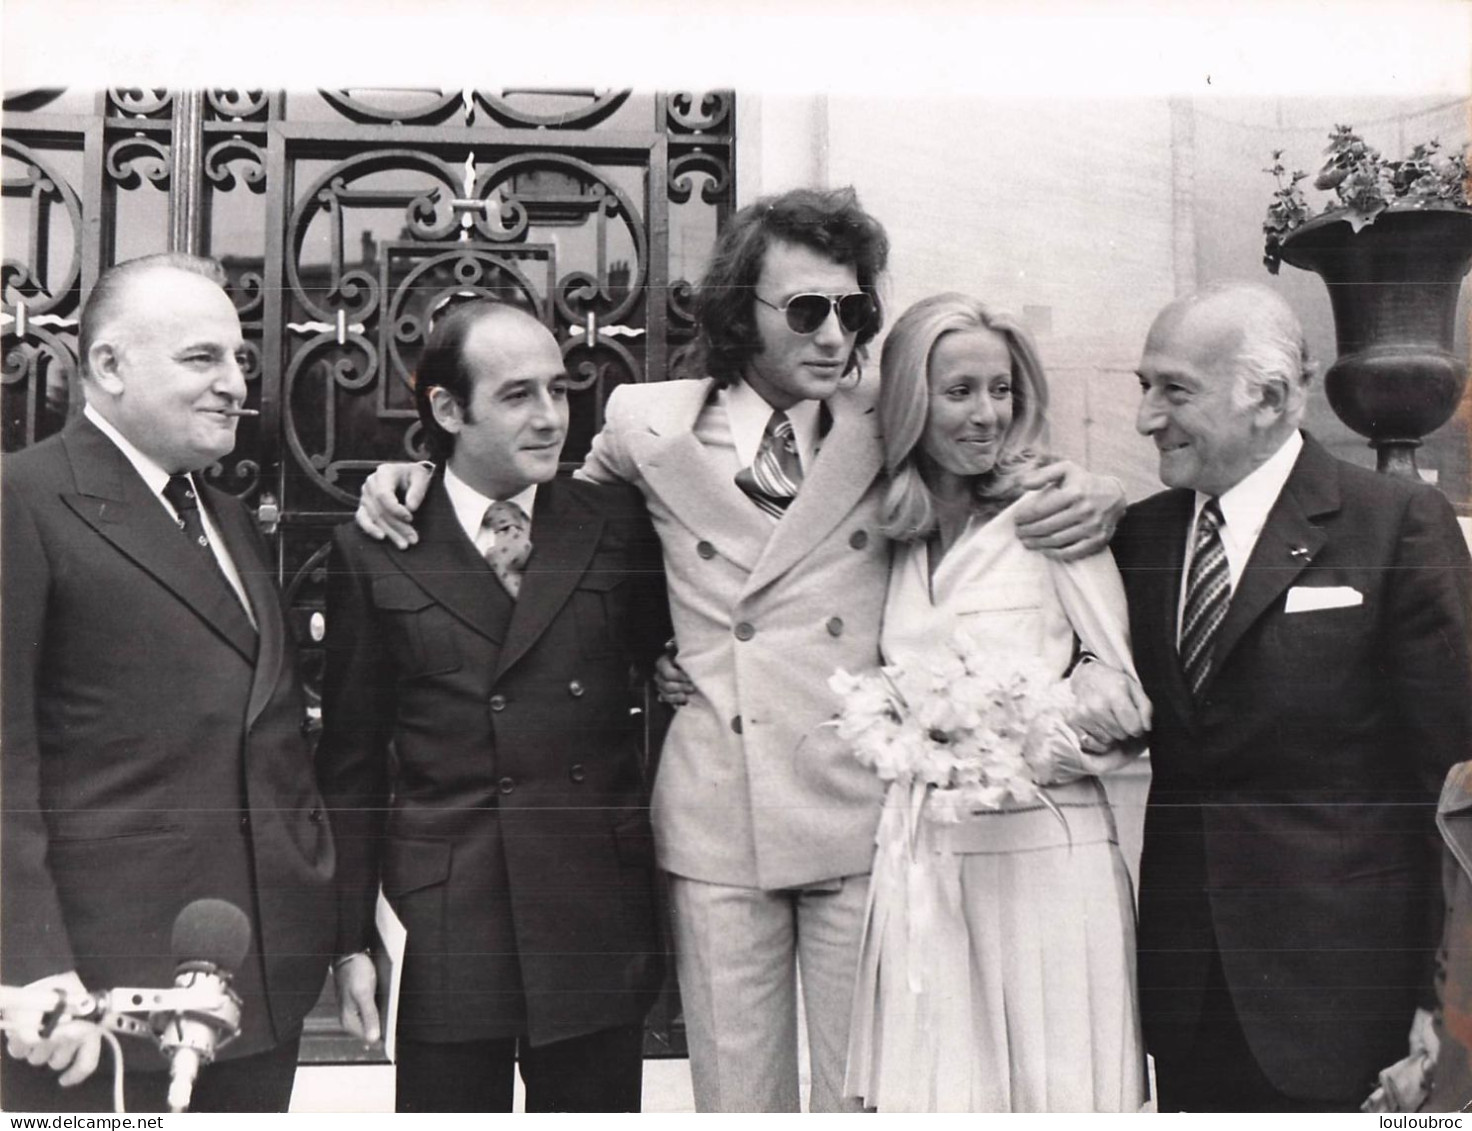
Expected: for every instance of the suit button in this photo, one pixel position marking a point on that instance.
(506, 785)
(736, 723)
(315, 816)
(745, 631)
(576, 689)
(244, 823)
(498, 702)
(835, 626)
(705, 550)
(577, 773)
(858, 539)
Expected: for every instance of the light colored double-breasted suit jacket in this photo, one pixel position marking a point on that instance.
(154, 747)
(753, 789)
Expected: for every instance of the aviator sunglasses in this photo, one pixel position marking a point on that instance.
(806, 312)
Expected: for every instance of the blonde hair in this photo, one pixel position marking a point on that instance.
(908, 511)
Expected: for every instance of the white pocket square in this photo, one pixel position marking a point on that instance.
(1308, 598)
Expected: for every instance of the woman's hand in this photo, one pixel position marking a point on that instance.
(380, 513)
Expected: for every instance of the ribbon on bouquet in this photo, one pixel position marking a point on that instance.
(915, 885)
(919, 925)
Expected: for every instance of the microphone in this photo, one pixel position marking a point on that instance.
(209, 941)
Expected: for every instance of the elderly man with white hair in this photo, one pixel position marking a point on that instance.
(1301, 627)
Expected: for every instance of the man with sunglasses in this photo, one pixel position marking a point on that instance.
(762, 477)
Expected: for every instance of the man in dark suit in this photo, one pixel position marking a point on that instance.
(1300, 626)
(511, 830)
(153, 743)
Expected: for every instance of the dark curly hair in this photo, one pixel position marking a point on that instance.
(831, 223)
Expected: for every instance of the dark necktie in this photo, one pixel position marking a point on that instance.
(1208, 592)
(775, 475)
(508, 556)
(179, 491)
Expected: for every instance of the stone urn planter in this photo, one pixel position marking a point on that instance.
(1392, 247)
(1393, 286)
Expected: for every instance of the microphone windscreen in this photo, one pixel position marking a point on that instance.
(211, 930)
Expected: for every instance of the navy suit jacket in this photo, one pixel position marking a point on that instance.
(154, 751)
(1290, 820)
(481, 761)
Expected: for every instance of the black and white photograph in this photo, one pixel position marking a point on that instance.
(690, 558)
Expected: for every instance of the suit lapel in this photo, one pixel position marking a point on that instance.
(1289, 540)
(113, 499)
(259, 580)
(1162, 602)
(695, 479)
(445, 564)
(564, 536)
(840, 477)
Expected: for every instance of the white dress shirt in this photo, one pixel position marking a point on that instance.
(471, 506)
(1245, 508)
(156, 478)
(748, 415)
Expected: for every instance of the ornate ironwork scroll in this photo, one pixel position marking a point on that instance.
(347, 221)
(39, 282)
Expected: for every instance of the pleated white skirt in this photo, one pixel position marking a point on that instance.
(997, 969)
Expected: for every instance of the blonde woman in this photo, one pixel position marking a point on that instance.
(999, 976)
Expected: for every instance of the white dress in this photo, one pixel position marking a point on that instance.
(997, 970)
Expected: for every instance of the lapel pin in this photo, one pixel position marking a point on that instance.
(1299, 552)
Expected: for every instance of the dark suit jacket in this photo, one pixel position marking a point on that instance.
(153, 744)
(1289, 825)
(510, 827)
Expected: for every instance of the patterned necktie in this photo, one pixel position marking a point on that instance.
(1208, 592)
(775, 475)
(508, 557)
(180, 493)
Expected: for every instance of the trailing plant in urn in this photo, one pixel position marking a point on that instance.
(1364, 184)
(1392, 245)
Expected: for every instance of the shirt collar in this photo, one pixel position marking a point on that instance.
(153, 474)
(1246, 505)
(748, 414)
(470, 505)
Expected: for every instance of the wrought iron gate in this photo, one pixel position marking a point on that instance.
(346, 220)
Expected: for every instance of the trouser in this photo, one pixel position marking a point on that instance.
(1218, 1072)
(602, 1071)
(738, 953)
(256, 1083)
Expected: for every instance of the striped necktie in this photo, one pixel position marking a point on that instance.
(1208, 592)
(775, 475)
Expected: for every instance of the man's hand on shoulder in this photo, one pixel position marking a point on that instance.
(1069, 513)
(381, 511)
(72, 1049)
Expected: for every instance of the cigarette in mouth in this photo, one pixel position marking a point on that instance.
(239, 411)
